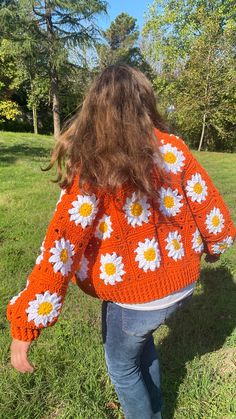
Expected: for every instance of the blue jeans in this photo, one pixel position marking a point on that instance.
(131, 357)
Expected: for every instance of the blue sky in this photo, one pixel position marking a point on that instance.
(135, 8)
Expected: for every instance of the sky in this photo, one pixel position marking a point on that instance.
(135, 8)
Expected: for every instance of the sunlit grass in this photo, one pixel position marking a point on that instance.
(197, 346)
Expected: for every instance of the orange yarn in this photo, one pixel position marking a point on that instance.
(122, 248)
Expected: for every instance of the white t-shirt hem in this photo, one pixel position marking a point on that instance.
(161, 303)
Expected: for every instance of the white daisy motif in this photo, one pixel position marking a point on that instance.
(136, 210)
(215, 221)
(148, 255)
(44, 309)
(197, 242)
(40, 257)
(62, 256)
(13, 299)
(84, 210)
(170, 201)
(63, 191)
(104, 228)
(111, 268)
(196, 188)
(174, 245)
(173, 158)
(222, 246)
(82, 273)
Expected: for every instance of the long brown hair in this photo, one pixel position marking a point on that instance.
(111, 140)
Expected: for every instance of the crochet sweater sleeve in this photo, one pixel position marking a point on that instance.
(208, 208)
(40, 303)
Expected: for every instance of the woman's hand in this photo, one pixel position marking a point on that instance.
(212, 258)
(19, 358)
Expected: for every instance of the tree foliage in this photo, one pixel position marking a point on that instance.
(192, 48)
(8, 110)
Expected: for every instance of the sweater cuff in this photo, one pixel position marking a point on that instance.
(24, 334)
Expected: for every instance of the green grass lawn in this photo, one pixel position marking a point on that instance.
(196, 347)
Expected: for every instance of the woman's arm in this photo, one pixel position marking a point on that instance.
(40, 303)
(208, 208)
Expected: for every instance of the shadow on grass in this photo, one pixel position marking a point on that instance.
(10, 154)
(200, 327)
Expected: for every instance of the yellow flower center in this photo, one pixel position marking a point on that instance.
(85, 210)
(223, 246)
(45, 308)
(110, 268)
(150, 254)
(215, 221)
(64, 255)
(170, 157)
(176, 244)
(169, 201)
(136, 209)
(103, 227)
(197, 188)
(199, 240)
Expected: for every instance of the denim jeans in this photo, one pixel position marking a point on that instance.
(131, 357)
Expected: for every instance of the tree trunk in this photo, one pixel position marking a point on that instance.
(206, 100)
(203, 131)
(55, 104)
(53, 72)
(35, 118)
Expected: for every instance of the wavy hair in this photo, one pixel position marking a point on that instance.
(112, 139)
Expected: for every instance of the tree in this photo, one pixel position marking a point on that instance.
(59, 26)
(205, 98)
(10, 79)
(121, 44)
(28, 66)
(191, 46)
(67, 24)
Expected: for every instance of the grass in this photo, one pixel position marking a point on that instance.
(196, 346)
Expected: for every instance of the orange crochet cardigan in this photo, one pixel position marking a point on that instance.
(122, 248)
